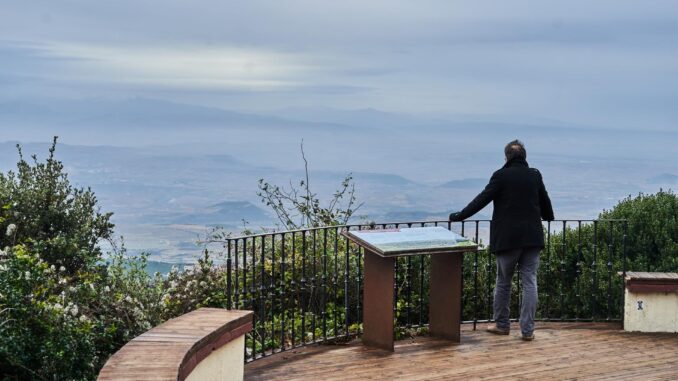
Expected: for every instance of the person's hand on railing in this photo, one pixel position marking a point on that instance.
(455, 216)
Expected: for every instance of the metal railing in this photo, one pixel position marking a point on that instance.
(305, 286)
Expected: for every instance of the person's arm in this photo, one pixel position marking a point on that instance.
(479, 202)
(545, 202)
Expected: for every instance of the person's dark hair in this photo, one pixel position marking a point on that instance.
(515, 149)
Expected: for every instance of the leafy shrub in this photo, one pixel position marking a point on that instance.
(45, 330)
(64, 307)
(652, 236)
(44, 212)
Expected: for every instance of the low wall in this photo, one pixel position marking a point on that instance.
(206, 344)
(651, 302)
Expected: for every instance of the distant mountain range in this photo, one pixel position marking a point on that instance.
(129, 114)
(165, 169)
(664, 178)
(142, 122)
(367, 117)
(225, 213)
(474, 183)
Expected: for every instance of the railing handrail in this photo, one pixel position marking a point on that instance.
(371, 224)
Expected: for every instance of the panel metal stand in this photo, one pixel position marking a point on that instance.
(378, 298)
(381, 250)
(445, 296)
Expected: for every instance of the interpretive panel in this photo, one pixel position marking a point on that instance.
(411, 241)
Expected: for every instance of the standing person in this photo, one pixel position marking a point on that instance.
(516, 233)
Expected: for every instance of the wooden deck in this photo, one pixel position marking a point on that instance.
(561, 351)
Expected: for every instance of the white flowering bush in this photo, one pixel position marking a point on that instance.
(61, 326)
(203, 285)
(45, 331)
(65, 307)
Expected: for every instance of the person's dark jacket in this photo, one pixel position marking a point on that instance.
(520, 204)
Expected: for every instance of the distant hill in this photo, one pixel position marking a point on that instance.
(664, 178)
(237, 210)
(224, 213)
(415, 215)
(465, 183)
(142, 121)
(366, 117)
(382, 178)
(128, 113)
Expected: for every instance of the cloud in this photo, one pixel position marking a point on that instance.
(223, 67)
(572, 61)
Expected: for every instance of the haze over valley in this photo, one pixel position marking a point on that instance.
(171, 172)
(173, 111)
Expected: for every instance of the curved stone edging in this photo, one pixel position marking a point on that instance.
(172, 350)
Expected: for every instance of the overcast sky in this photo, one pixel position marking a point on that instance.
(607, 63)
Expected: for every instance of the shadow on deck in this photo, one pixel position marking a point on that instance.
(561, 351)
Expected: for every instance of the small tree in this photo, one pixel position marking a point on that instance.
(300, 207)
(42, 210)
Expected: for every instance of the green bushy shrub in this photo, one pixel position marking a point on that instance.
(64, 306)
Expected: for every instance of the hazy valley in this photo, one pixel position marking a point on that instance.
(170, 172)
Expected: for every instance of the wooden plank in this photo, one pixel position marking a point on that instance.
(561, 351)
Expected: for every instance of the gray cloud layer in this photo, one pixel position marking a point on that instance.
(607, 63)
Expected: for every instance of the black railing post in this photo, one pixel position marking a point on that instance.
(323, 302)
(563, 255)
(578, 266)
(312, 294)
(335, 282)
(229, 285)
(346, 268)
(623, 289)
(594, 271)
(262, 296)
(237, 277)
(475, 280)
(547, 303)
(408, 291)
(421, 290)
(463, 269)
(295, 289)
(283, 292)
(245, 291)
(272, 292)
(610, 254)
(303, 287)
(253, 297)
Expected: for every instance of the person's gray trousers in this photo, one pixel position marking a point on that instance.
(528, 258)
